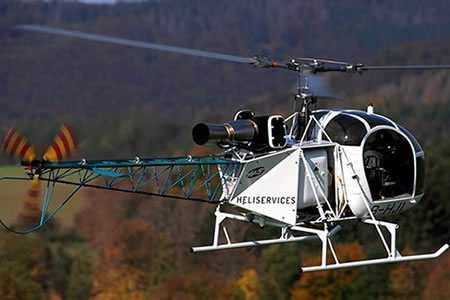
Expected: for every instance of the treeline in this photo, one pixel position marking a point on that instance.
(42, 76)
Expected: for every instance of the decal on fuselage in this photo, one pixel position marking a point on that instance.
(389, 208)
(264, 200)
(255, 172)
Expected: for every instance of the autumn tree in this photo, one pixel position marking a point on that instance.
(249, 285)
(438, 280)
(329, 284)
(405, 278)
(200, 284)
(122, 264)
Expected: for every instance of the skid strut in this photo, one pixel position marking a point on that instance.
(393, 255)
(286, 235)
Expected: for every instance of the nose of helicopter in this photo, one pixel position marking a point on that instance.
(387, 159)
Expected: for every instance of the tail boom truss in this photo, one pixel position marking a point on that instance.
(199, 179)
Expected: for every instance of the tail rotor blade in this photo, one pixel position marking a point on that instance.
(16, 145)
(62, 146)
(30, 213)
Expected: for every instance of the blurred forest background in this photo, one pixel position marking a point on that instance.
(124, 102)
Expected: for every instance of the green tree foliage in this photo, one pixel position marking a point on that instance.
(371, 283)
(79, 280)
(280, 266)
(61, 267)
(20, 267)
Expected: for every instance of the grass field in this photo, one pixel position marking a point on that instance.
(13, 193)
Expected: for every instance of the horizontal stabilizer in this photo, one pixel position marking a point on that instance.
(108, 173)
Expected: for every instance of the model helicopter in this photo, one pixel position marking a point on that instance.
(305, 174)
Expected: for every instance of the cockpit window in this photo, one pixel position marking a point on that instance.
(413, 140)
(319, 113)
(346, 130)
(373, 120)
(420, 180)
(389, 165)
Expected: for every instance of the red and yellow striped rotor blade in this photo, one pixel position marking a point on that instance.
(63, 145)
(16, 145)
(31, 212)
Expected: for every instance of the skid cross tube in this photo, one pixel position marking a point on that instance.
(286, 235)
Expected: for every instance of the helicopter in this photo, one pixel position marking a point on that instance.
(307, 174)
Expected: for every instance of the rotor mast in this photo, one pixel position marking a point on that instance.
(306, 97)
(305, 94)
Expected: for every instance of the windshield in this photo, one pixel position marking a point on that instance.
(346, 130)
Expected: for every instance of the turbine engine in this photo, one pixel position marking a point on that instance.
(246, 130)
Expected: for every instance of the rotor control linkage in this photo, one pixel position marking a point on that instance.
(316, 65)
(307, 65)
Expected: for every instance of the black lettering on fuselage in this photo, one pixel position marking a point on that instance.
(375, 209)
(264, 200)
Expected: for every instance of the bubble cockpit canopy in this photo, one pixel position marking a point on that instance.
(392, 158)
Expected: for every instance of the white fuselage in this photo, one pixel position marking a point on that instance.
(332, 173)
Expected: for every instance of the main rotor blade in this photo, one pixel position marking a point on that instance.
(418, 67)
(139, 44)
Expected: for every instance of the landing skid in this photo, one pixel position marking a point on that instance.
(286, 234)
(397, 258)
(324, 235)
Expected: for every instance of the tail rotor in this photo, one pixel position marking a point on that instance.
(63, 145)
(15, 145)
(31, 212)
